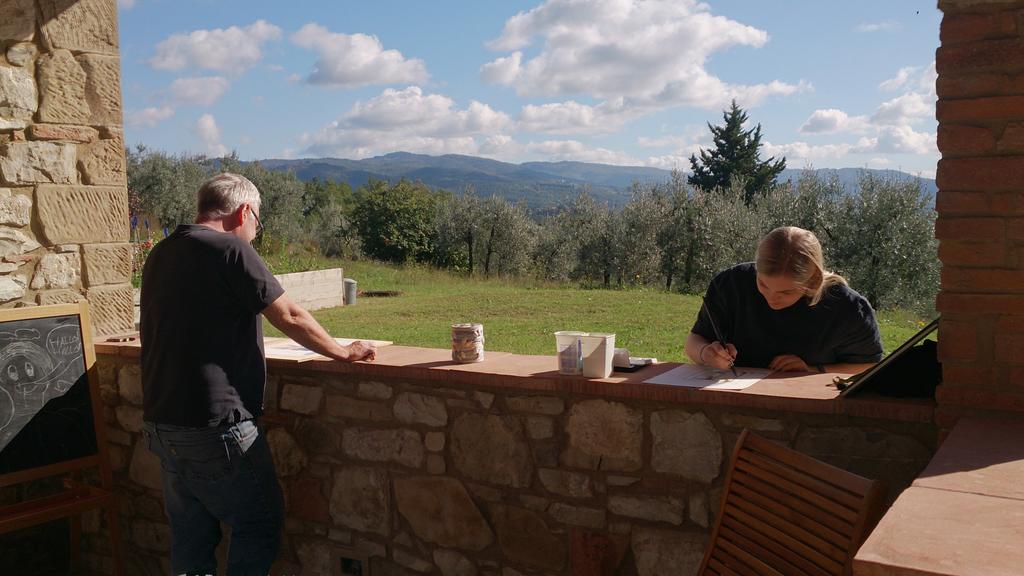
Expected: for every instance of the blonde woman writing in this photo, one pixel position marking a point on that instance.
(785, 312)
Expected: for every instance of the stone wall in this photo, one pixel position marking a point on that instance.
(63, 195)
(448, 478)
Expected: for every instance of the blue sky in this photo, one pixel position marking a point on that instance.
(631, 82)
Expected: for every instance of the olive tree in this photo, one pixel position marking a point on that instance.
(885, 244)
(457, 224)
(166, 185)
(506, 239)
(281, 202)
(396, 222)
(638, 252)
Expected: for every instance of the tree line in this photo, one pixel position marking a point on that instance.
(670, 235)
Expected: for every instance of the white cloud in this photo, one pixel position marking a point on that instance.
(898, 81)
(229, 50)
(411, 106)
(903, 139)
(209, 133)
(884, 25)
(644, 55)
(557, 150)
(500, 145)
(832, 120)
(926, 81)
(893, 128)
(502, 70)
(669, 162)
(354, 60)
(682, 142)
(803, 153)
(148, 117)
(915, 104)
(125, 4)
(199, 91)
(889, 140)
(904, 109)
(663, 142)
(408, 120)
(571, 117)
(753, 94)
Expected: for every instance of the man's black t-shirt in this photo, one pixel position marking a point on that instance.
(202, 336)
(841, 328)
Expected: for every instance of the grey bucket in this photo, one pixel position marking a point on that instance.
(350, 292)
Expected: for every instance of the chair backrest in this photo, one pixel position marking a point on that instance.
(785, 513)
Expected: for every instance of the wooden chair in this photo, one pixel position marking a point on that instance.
(784, 513)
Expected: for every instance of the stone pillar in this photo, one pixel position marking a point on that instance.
(980, 202)
(63, 191)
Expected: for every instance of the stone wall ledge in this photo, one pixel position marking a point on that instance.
(810, 394)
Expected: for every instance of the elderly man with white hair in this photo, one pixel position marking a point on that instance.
(204, 289)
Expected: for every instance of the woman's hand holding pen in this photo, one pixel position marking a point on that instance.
(725, 352)
(717, 356)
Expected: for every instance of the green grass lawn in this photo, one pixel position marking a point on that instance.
(520, 316)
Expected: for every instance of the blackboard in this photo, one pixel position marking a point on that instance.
(48, 408)
(51, 423)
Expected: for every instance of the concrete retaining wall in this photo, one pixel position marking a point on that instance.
(316, 289)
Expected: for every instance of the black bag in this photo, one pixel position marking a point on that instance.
(914, 374)
(911, 371)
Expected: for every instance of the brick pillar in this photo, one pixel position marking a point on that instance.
(980, 227)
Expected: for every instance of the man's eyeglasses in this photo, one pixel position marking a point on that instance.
(259, 225)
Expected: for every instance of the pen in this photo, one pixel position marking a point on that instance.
(718, 333)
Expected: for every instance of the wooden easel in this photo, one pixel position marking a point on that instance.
(76, 496)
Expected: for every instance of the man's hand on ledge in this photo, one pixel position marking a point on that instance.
(360, 350)
(299, 325)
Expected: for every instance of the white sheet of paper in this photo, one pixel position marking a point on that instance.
(286, 352)
(284, 349)
(693, 376)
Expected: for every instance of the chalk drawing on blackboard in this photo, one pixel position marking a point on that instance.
(34, 369)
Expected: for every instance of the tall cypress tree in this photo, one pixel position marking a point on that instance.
(735, 156)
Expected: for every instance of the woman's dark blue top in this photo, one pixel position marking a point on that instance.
(841, 328)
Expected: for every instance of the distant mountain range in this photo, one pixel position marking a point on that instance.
(541, 185)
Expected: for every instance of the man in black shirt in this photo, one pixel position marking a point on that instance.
(203, 371)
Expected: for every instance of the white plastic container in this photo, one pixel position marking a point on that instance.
(586, 353)
(598, 349)
(569, 347)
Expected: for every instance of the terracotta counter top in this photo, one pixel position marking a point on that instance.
(963, 515)
(813, 393)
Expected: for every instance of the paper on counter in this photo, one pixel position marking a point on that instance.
(285, 349)
(692, 376)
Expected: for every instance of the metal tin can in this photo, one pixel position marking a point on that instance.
(467, 343)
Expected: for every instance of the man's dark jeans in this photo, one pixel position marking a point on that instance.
(213, 475)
